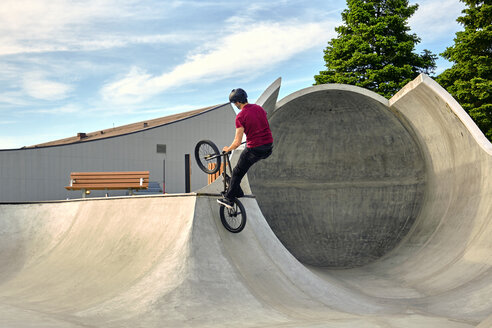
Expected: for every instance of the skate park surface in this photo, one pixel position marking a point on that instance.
(167, 261)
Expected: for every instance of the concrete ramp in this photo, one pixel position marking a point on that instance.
(444, 263)
(67, 257)
(168, 262)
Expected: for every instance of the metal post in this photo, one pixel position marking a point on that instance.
(187, 173)
(164, 176)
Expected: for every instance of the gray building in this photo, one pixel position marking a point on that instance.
(160, 146)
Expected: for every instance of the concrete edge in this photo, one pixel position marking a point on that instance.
(192, 194)
(453, 105)
(210, 194)
(334, 87)
(487, 323)
(268, 98)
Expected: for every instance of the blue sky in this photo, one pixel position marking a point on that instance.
(82, 66)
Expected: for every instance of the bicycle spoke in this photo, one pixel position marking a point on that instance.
(232, 217)
(206, 151)
(206, 156)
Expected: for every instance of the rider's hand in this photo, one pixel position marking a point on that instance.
(225, 149)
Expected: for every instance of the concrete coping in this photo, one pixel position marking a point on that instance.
(333, 87)
(453, 105)
(192, 194)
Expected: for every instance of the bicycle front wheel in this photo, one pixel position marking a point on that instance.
(234, 219)
(203, 151)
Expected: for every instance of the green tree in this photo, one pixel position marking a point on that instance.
(469, 80)
(373, 49)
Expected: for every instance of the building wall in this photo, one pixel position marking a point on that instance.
(42, 173)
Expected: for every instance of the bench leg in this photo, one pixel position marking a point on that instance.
(83, 193)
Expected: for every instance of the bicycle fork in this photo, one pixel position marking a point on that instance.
(227, 163)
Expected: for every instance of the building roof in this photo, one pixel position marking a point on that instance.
(124, 129)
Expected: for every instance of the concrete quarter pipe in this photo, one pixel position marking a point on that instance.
(166, 261)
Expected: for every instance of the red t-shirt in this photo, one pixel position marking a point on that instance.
(253, 119)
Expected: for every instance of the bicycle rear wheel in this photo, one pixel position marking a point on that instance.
(204, 150)
(234, 219)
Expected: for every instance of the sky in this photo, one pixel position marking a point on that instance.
(69, 66)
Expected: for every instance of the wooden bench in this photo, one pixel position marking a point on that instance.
(108, 181)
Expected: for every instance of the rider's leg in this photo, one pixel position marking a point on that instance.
(246, 160)
(248, 157)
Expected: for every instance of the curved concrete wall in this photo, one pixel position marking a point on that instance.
(447, 255)
(346, 180)
(444, 263)
(352, 173)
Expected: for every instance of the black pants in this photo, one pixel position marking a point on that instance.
(248, 157)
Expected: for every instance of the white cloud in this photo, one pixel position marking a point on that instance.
(36, 86)
(38, 19)
(33, 26)
(66, 109)
(15, 98)
(76, 43)
(435, 20)
(243, 53)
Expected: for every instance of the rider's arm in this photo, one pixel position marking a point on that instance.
(237, 140)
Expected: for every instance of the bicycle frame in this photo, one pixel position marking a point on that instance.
(227, 163)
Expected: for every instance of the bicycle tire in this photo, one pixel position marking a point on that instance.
(233, 220)
(207, 148)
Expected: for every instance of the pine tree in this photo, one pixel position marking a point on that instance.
(469, 80)
(373, 49)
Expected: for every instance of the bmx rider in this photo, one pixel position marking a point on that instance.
(252, 121)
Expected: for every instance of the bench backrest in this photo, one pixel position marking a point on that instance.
(109, 180)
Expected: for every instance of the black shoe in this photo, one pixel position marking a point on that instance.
(225, 202)
(240, 194)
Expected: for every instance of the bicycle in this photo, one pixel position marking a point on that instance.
(208, 158)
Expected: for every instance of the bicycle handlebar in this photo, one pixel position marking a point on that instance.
(208, 158)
